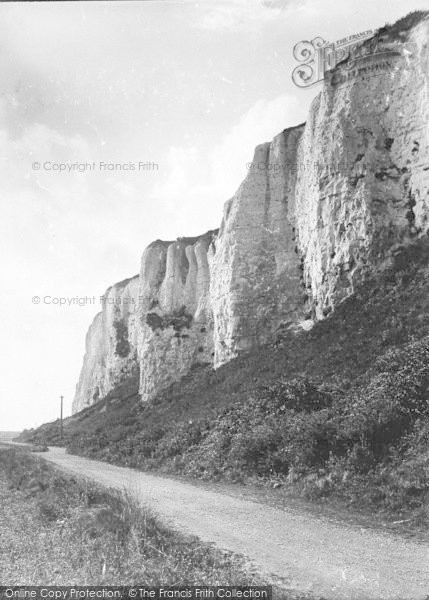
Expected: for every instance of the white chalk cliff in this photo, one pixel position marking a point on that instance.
(328, 202)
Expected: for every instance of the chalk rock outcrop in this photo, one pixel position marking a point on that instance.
(329, 201)
(256, 283)
(362, 166)
(157, 325)
(176, 321)
(324, 205)
(111, 344)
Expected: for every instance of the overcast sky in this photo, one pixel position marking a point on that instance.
(190, 86)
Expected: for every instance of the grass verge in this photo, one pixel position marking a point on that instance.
(56, 529)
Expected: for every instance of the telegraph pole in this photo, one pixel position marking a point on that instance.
(61, 420)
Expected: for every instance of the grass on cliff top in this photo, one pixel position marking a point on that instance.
(340, 411)
(56, 529)
(404, 25)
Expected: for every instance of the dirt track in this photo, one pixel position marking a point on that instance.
(309, 554)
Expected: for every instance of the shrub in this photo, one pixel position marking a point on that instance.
(39, 448)
(178, 320)
(299, 394)
(122, 347)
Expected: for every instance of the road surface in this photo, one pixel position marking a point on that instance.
(310, 554)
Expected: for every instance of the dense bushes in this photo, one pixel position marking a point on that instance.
(278, 433)
(268, 434)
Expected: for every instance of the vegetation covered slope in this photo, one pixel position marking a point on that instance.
(341, 410)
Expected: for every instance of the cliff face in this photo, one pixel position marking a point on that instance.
(111, 344)
(363, 174)
(326, 203)
(256, 284)
(176, 322)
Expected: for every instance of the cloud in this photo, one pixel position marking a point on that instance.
(259, 124)
(61, 235)
(200, 182)
(244, 15)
